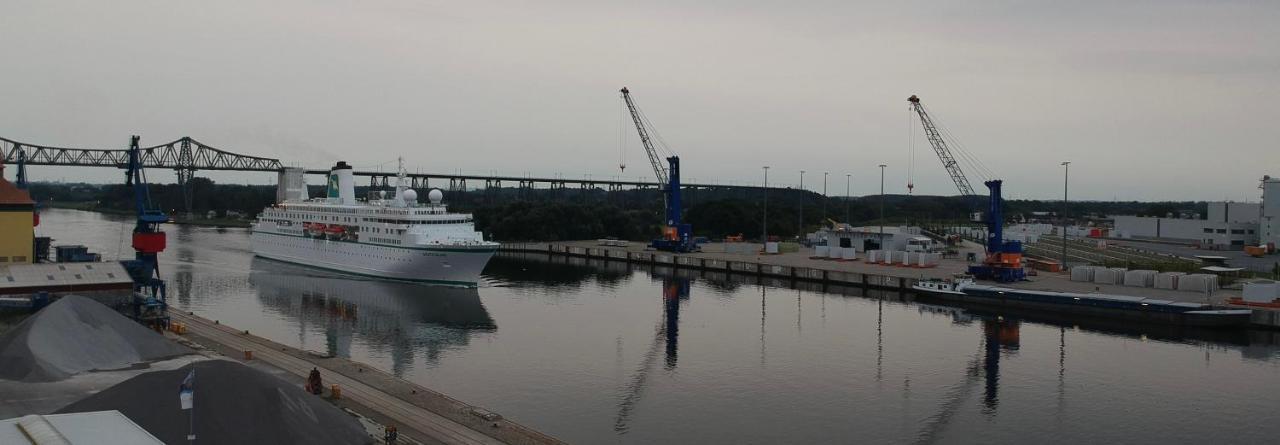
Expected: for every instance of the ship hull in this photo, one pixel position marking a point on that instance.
(460, 265)
(1063, 303)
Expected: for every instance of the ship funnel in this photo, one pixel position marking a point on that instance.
(342, 186)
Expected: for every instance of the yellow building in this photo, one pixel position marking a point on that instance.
(17, 224)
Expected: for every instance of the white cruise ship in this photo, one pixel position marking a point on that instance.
(390, 237)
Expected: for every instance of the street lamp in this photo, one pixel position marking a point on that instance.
(800, 225)
(1066, 169)
(882, 206)
(765, 223)
(824, 196)
(847, 180)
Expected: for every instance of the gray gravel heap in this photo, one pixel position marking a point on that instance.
(77, 334)
(234, 404)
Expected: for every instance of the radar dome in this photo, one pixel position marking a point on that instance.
(435, 196)
(409, 195)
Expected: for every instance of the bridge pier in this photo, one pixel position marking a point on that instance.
(457, 184)
(184, 183)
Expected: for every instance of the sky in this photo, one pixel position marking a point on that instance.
(1148, 100)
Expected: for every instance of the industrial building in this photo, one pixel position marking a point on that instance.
(98, 427)
(871, 238)
(24, 273)
(1269, 218)
(17, 223)
(1227, 225)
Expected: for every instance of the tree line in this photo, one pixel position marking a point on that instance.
(512, 214)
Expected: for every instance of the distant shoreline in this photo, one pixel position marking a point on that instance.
(89, 206)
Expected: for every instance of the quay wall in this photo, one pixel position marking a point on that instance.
(721, 262)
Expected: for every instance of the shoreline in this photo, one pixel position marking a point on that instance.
(91, 207)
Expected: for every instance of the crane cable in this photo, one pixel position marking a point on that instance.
(661, 143)
(622, 134)
(911, 147)
(973, 163)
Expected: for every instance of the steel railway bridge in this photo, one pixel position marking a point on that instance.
(186, 155)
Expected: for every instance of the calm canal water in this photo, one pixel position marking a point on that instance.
(613, 353)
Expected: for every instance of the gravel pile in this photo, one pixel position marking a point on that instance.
(74, 335)
(234, 404)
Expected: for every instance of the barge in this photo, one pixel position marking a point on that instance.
(1150, 310)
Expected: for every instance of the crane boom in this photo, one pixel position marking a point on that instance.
(654, 159)
(940, 146)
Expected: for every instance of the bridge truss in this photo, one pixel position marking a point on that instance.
(186, 155)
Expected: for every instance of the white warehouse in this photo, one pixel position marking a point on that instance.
(1269, 220)
(1228, 225)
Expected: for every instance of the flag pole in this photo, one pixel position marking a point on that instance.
(191, 417)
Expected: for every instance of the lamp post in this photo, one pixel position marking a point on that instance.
(882, 206)
(764, 237)
(1066, 169)
(800, 224)
(847, 180)
(824, 197)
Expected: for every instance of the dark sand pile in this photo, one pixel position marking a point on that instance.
(234, 404)
(74, 335)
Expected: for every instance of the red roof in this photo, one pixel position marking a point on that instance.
(11, 194)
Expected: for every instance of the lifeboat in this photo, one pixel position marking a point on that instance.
(335, 229)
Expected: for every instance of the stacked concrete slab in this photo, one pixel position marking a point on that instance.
(1168, 280)
(1083, 274)
(848, 253)
(1112, 275)
(1140, 278)
(928, 260)
(1198, 282)
(889, 256)
(902, 258)
(1261, 292)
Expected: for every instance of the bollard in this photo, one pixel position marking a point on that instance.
(335, 391)
(248, 354)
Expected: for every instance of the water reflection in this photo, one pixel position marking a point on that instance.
(999, 336)
(407, 318)
(675, 292)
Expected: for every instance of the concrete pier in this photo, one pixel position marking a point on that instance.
(800, 266)
(419, 413)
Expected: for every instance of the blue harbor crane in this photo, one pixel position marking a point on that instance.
(21, 180)
(149, 304)
(676, 236)
(1004, 258)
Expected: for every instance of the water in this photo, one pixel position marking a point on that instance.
(613, 353)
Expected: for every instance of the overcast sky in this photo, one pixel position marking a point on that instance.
(1148, 100)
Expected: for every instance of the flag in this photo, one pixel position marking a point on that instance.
(186, 392)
